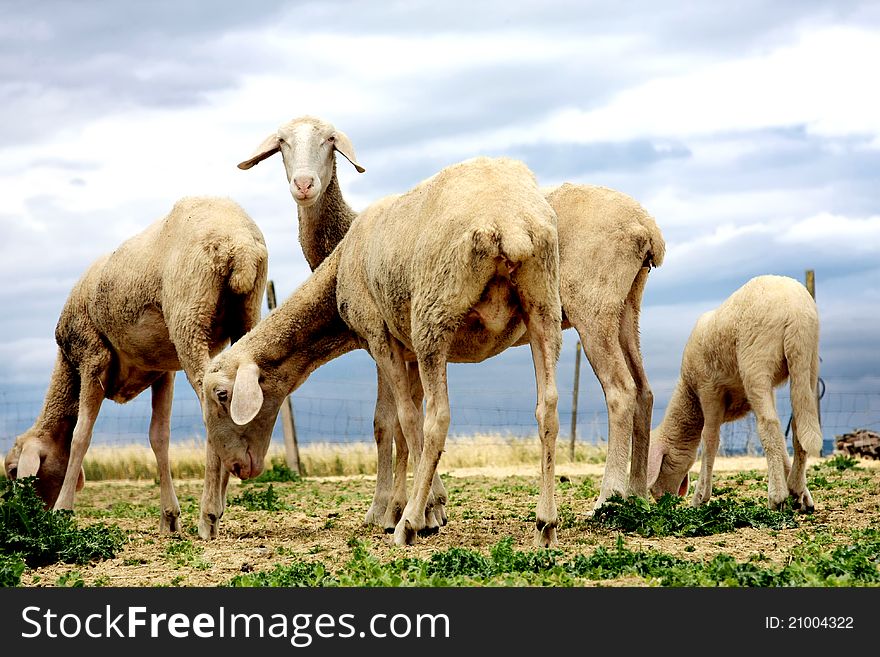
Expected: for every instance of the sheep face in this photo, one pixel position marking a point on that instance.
(40, 455)
(239, 416)
(308, 148)
(668, 466)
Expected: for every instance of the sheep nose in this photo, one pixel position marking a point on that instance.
(304, 183)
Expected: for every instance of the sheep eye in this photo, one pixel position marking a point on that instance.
(222, 395)
(331, 139)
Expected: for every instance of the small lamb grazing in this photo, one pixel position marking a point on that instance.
(167, 299)
(764, 333)
(607, 245)
(418, 277)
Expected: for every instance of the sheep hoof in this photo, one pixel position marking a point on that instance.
(428, 531)
(404, 533)
(393, 514)
(209, 524)
(802, 502)
(545, 535)
(375, 515)
(169, 522)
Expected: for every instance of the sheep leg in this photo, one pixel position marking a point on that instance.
(384, 424)
(797, 476)
(160, 436)
(713, 416)
(644, 405)
(440, 494)
(601, 343)
(759, 392)
(91, 395)
(546, 413)
(432, 370)
(389, 358)
(213, 495)
(399, 494)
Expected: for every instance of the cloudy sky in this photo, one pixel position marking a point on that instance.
(751, 133)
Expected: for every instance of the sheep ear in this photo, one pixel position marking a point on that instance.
(270, 146)
(343, 145)
(247, 396)
(29, 460)
(655, 459)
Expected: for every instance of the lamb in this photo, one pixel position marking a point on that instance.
(418, 277)
(764, 333)
(608, 243)
(167, 299)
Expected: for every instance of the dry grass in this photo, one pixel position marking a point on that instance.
(136, 462)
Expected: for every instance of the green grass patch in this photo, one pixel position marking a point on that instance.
(260, 499)
(37, 537)
(182, 552)
(279, 472)
(817, 562)
(841, 462)
(670, 516)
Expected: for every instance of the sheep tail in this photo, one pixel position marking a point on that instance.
(247, 261)
(801, 349)
(656, 247)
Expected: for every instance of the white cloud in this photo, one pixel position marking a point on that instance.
(830, 232)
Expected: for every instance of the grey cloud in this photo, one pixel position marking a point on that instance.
(573, 161)
(84, 60)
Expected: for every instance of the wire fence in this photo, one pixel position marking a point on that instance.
(342, 412)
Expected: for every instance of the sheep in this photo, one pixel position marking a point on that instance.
(419, 276)
(169, 298)
(764, 333)
(608, 243)
(308, 146)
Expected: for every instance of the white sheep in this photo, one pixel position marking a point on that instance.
(764, 333)
(607, 245)
(167, 299)
(419, 276)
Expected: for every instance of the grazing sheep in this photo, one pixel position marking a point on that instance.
(167, 299)
(419, 276)
(764, 333)
(607, 245)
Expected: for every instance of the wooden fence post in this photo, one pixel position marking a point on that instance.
(291, 449)
(574, 399)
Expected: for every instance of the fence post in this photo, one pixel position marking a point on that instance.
(811, 288)
(574, 399)
(291, 449)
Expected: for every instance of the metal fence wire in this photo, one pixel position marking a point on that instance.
(342, 412)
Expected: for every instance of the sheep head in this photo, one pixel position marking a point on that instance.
(307, 146)
(38, 453)
(668, 465)
(239, 405)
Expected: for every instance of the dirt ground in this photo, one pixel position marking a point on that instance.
(485, 506)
